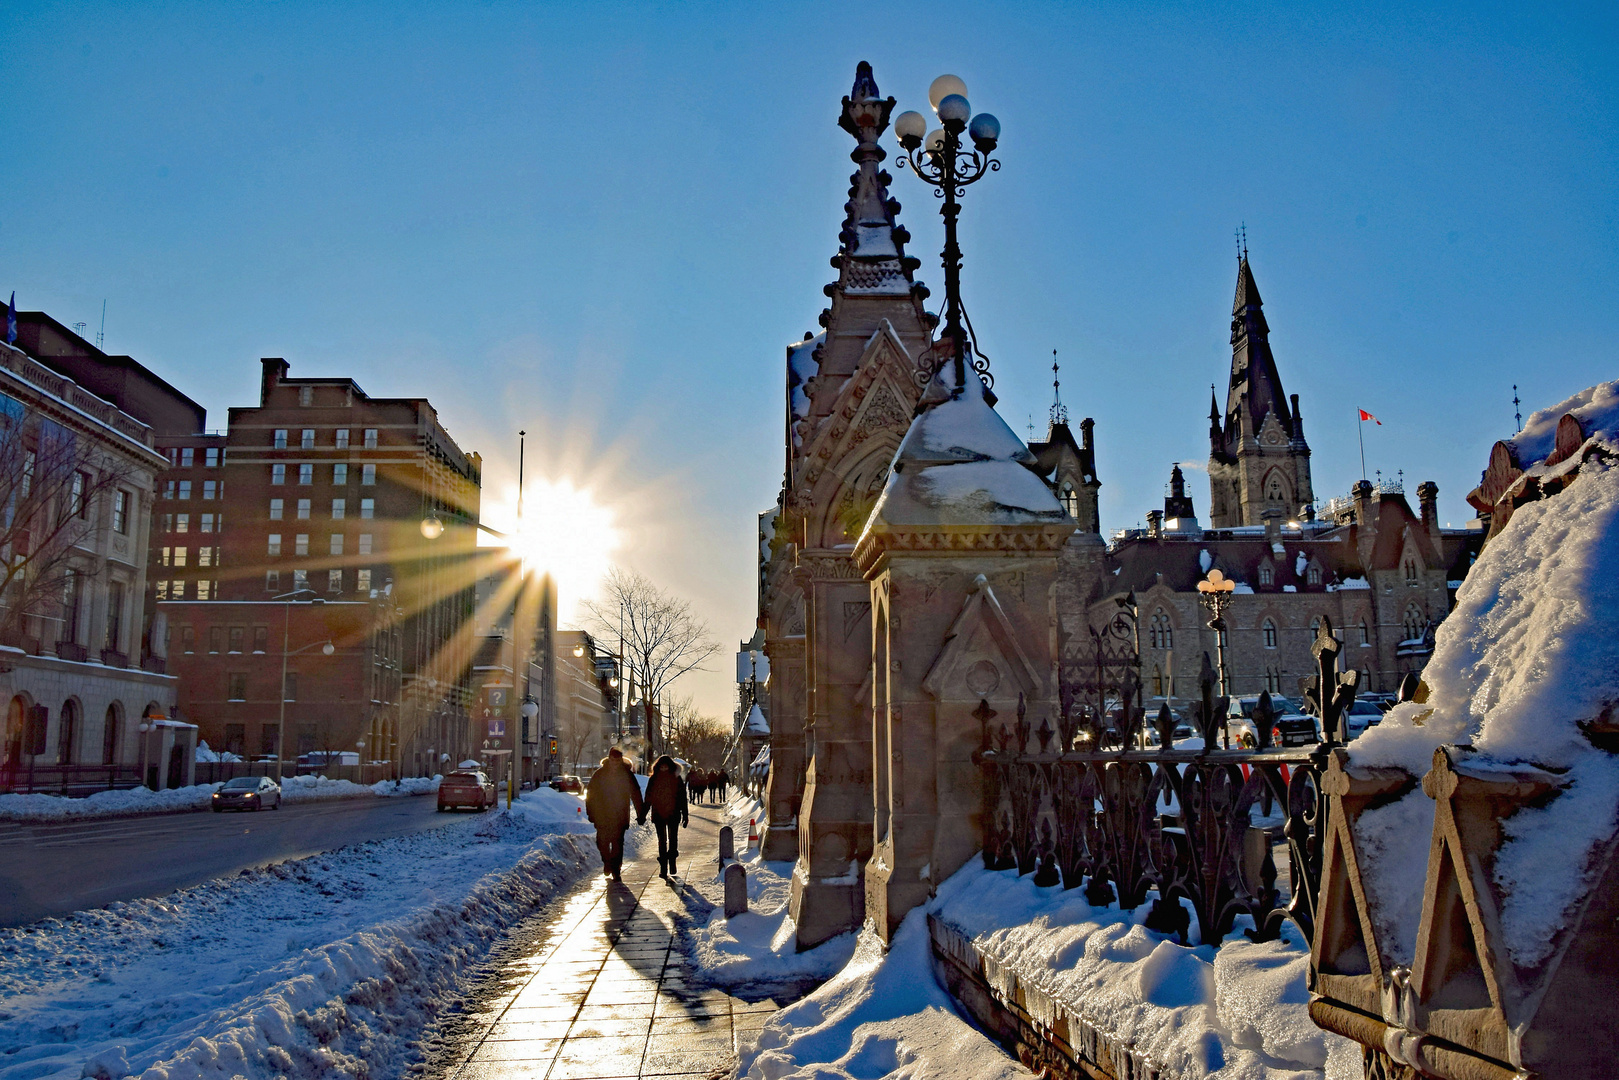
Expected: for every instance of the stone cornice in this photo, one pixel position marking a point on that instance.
(825, 565)
(960, 539)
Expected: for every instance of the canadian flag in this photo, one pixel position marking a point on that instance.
(1364, 415)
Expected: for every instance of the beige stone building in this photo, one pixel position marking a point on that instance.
(76, 477)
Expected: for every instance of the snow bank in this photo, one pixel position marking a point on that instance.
(1240, 1012)
(759, 948)
(135, 801)
(883, 1015)
(325, 967)
(1530, 652)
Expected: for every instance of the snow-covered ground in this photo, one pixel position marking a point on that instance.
(758, 949)
(135, 801)
(327, 966)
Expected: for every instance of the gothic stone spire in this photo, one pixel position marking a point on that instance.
(1256, 386)
(871, 247)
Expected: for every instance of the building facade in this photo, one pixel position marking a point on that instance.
(76, 477)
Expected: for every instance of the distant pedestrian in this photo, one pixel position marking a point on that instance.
(613, 792)
(666, 802)
(699, 784)
(725, 783)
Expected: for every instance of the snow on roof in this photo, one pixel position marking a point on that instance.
(1530, 651)
(1596, 407)
(757, 724)
(959, 464)
(801, 368)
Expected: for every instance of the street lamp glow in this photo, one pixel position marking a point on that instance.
(432, 527)
(910, 127)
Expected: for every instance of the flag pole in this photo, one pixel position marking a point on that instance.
(1360, 429)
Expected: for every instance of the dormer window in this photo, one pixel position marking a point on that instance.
(1267, 576)
(1312, 576)
(1070, 500)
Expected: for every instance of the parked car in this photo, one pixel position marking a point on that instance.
(568, 783)
(1381, 701)
(1363, 715)
(1295, 729)
(248, 793)
(1240, 720)
(325, 759)
(466, 787)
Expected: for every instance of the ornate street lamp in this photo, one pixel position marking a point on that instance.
(941, 160)
(1215, 593)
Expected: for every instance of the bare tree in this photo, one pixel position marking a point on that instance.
(53, 483)
(694, 736)
(662, 639)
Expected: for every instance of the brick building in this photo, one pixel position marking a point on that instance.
(230, 656)
(365, 503)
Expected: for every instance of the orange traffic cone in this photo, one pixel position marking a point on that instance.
(753, 831)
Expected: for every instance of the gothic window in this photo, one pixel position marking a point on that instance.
(1273, 680)
(1157, 681)
(1415, 623)
(1273, 489)
(1410, 570)
(1070, 500)
(1365, 633)
(1269, 633)
(1312, 576)
(1159, 632)
(1266, 574)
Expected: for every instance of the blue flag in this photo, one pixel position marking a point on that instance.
(11, 320)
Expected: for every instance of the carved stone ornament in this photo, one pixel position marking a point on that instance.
(983, 678)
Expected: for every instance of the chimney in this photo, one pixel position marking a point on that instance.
(1361, 494)
(1298, 419)
(275, 370)
(1155, 524)
(1272, 518)
(1428, 500)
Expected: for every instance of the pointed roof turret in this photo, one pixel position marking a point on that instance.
(1177, 504)
(871, 247)
(1256, 386)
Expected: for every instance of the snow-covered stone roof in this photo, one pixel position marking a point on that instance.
(1596, 408)
(960, 464)
(757, 724)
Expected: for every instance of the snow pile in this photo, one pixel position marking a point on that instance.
(328, 966)
(134, 801)
(759, 947)
(1239, 1012)
(1596, 408)
(207, 753)
(883, 1015)
(1531, 651)
(959, 464)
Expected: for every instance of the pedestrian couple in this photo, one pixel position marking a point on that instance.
(614, 792)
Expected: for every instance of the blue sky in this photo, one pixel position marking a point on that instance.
(602, 223)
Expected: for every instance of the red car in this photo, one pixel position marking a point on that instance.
(466, 788)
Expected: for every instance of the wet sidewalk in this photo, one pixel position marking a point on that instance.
(605, 993)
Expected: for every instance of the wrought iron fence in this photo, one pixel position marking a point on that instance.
(1090, 804)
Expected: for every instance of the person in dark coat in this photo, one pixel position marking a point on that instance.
(725, 783)
(666, 802)
(613, 792)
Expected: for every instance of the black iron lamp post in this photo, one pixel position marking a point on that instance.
(1215, 593)
(942, 160)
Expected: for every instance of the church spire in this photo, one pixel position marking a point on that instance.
(1216, 429)
(1256, 386)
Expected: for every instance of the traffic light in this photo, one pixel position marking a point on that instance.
(552, 750)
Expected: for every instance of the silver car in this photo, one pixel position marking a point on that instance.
(248, 793)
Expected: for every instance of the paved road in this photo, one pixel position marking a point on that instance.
(55, 869)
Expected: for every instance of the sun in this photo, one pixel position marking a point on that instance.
(567, 533)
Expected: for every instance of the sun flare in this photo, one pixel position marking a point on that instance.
(564, 532)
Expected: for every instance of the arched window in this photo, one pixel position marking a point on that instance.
(1365, 633)
(109, 736)
(67, 731)
(1315, 626)
(1159, 633)
(1157, 681)
(1273, 489)
(1410, 570)
(1415, 624)
(1273, 680)
(1070, 500)
(1266, 574)
(1313, 575)
(1269, 632)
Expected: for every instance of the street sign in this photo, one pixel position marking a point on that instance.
(497, 697)
(497, 729)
